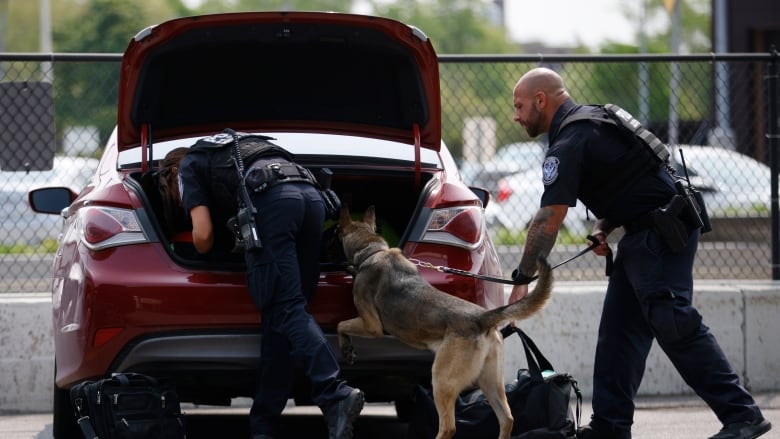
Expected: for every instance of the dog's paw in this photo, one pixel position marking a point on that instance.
(351, 270)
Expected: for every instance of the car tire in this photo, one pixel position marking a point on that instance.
(64, 424)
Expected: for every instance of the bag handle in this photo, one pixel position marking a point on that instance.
(124, 378)
(537, 362)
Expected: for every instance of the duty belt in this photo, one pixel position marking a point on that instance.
(263, 175)
(643, 222)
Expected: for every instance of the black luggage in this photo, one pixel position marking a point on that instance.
(128, 406)
(539, 398)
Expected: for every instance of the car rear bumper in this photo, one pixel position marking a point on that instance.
(212, 368)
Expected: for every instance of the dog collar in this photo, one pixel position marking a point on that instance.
(367, 257)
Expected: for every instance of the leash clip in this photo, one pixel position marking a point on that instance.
(424, 264)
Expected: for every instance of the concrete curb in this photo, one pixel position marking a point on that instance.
(742, 315)
(27, 360)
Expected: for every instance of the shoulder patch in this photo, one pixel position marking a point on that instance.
(550, 170)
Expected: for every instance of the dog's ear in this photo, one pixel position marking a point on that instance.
(344, 217)
(369, 217)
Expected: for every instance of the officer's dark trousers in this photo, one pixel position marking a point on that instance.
(282, 277)
(649, 297)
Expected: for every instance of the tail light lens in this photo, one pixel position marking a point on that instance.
(459, 226)
(504, 191)
(103, 227)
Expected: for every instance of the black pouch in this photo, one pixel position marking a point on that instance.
(702, 210)
(332, 203)
(329, 196)
(667, 223)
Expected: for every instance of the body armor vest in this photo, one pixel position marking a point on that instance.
(223, 174)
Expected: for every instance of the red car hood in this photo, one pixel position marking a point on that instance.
(269, 71)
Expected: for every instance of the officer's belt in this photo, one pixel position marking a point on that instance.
(647, 221)
(264, 174)
(643, 222)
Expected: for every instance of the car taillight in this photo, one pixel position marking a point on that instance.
(460, 226)
(103, 227)
(504, 191)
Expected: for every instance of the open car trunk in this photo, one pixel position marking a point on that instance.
(394, 193)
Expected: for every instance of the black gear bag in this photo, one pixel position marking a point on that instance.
(128, 406)
(540, 400)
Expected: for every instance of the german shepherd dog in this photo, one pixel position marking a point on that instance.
(391, 296)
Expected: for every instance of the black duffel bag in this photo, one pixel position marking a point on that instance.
(128, 406)
(540, 400)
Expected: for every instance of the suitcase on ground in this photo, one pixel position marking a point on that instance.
(128, 406)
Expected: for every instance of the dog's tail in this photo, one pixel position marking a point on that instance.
(527, 306)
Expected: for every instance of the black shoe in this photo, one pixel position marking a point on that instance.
(340, 415)
(744, 430)
(587, 432)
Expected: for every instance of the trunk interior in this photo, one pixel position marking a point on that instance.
(393, 192)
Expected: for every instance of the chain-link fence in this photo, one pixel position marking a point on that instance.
(722, 102)
(715, 109)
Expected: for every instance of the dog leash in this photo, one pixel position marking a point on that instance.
(517, 277)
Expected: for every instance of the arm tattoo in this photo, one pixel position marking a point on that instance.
(539, 241)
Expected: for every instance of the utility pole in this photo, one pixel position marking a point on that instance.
(644, 75)
(673, 6)
(3, 27)
(45, 37)
(499, 13)
(721, 134)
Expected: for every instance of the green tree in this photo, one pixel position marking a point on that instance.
(87, 92)
(217, 6)
(454, 26)
(695, 85)
(461, 27)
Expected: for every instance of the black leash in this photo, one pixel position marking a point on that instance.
(517, 277)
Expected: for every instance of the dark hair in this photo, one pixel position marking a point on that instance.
(173, 212)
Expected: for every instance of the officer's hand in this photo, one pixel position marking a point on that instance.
(603, 248)
(518, 292)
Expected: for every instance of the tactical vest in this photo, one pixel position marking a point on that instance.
(223, 173)
(647, 154)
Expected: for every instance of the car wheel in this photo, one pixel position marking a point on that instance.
(64, 420)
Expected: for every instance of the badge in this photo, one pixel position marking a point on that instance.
(550, 170)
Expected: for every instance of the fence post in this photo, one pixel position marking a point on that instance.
(772, 141)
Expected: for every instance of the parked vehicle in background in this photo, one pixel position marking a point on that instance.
(19, 225)
(508, 160)
(514, 179)
(518, 199)
(125, 299)
(733, 184)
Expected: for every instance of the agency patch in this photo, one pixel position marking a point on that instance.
(550, 170)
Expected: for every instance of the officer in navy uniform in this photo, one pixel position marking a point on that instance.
(650, 289)
(281, 276)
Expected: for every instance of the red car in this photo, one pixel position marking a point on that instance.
(356, 94)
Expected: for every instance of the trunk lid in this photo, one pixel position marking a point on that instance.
(268, 71)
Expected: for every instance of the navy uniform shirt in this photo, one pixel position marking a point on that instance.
(199, 188)
(583, 162)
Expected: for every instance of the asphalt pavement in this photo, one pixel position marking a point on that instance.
(662, 417)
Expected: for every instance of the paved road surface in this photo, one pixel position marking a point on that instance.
(656, 418)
